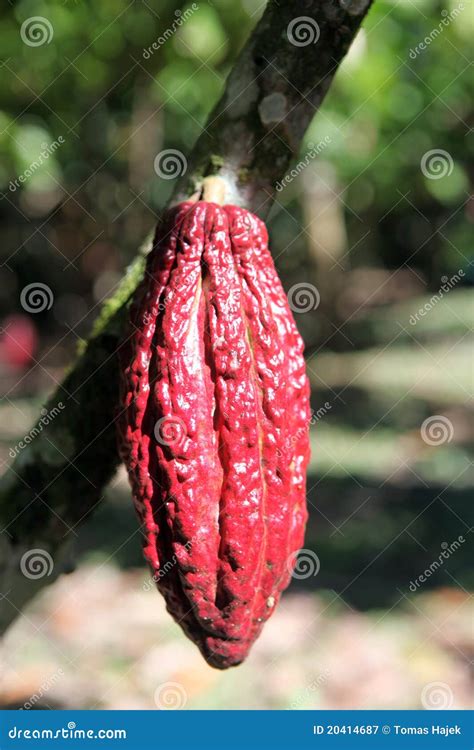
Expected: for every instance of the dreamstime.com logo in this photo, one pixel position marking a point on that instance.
(437, 696)
(181, 18)
(436, 164)
(304, 563)
(170, 431)
(313, 151)
(170, 696)
(291, 440)
(303, 297)
(302, 31)
(445, 554)
(311, 688)
(164, 570)
(170, 163)
(43, 689)
(45, 419)
(437, 430)
(36, 563)
(36, 31)
(47, 149)
(446, 286)
(36, 297)
(447, 18)
(71, 732)
(151, 316)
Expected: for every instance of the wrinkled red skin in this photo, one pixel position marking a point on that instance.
(215, 353)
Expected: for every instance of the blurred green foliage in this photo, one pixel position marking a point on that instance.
(386, 238)
(383, 113)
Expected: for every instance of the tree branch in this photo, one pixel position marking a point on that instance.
(271, 96)
(274, 90)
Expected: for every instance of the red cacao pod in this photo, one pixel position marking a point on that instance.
(214, 427)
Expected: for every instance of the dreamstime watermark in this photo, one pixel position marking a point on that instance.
(71, 732)
(320, 413)
(151, 316)
(43, 689)
(164, 570)
(291, 440)
(170, 696)
(45, 419)
(447, 18)
(47, 149)
(36, 563)
(181, 18)
(302, 31)
(437, 696)
(437, 430)
(303, 563)
(36, 31)
(445, 554)
(436, 164)
(313, 685)
(303, 297)
(170, 431)
(170, 163)
(446, 286)
(36, 297)
(314, 150)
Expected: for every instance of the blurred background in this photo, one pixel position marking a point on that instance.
(376, 224)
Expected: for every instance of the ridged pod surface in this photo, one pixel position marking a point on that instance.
(214, 425)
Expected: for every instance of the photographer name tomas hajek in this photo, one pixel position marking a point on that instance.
(44, 421)
(446, 730)
(445, 287)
